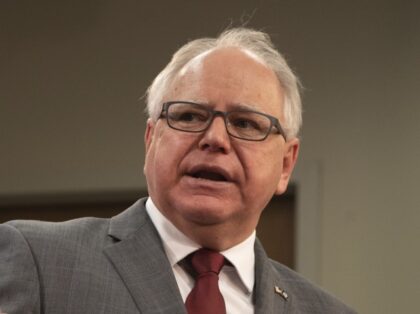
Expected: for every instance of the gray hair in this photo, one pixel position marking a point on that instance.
(255, 42)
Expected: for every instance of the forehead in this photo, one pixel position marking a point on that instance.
(226, 78)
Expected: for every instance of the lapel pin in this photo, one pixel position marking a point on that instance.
(281, 292)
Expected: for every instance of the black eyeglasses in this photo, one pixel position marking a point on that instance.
(243, 124)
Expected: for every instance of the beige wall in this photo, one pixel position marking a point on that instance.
(70, 119)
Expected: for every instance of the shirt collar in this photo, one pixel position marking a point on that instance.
(177, 246)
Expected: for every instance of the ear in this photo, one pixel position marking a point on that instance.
(148, 134)
(291, 151)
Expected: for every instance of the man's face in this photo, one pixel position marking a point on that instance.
(181, 168)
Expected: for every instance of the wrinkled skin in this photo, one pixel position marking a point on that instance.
(219, 214)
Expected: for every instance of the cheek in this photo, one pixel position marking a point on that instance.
(155, 157)
(263, 170)
(158, 156)
(166, 153)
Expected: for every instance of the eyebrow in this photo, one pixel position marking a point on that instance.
(245, 107)
(231, 106)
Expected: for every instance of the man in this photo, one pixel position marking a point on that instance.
(221, 140)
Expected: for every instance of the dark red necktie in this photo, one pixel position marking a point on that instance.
(205, 297)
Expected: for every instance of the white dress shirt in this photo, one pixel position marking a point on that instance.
(236, 282)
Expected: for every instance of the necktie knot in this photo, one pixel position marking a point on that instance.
(205, 260)
(205, 297)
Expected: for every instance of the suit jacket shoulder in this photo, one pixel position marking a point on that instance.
(87, 265)
(66, 266)
(282, 290)
(19, 284)
(305, 293)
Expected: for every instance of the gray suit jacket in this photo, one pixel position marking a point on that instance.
(118, 265)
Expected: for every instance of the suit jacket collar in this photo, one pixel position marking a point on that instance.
(125, 224)
(139, 258)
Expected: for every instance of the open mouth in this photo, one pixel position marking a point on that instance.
(209, 175)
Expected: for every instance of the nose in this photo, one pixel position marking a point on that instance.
(216, 138)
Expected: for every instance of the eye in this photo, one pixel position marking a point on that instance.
(188, 116)
(244, 123)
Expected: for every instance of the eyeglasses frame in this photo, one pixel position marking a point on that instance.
(213, 113)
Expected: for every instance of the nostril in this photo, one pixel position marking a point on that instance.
(215, 147)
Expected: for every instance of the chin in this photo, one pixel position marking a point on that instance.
(206, 211)
(205, 217)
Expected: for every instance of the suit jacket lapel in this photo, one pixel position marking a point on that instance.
(141, 262)
(139, 258)
(268, 296)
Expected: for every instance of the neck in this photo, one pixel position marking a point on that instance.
(218, 235)
(215, 237)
